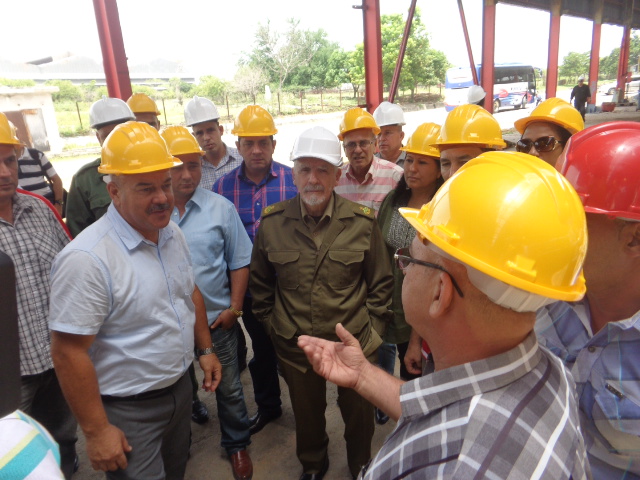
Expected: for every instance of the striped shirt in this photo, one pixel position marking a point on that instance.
(606, 369)
(27, 451)
(33, 167)
(32, 242)
(381, 178)
(513, 415)
(249, 198)
(210, 173)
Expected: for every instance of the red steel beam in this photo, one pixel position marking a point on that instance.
(114, 58)
(554, 50)
(372, 53)
(623, 62)
(594, 65)
(472, 64)
(393, 89)
(488, 47)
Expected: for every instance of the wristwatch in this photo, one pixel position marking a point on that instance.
(206, 351)
(58, 202)
(237, 313)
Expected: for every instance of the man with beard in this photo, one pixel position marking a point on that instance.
(319, 260)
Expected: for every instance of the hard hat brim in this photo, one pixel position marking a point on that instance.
(176, 162)
(522, 123)
(319, 156)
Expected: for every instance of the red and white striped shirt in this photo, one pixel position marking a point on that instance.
(381, 178)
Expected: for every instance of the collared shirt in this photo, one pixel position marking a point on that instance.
(400, 160)
(606, 369)
(33, 166)
(217, 242)
(250, 198)
(134, 296)
(210, 173)
(32, 242)
(317, 228)
(381, 178)
(513, 415)
(88, 197)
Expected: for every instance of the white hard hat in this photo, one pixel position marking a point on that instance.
(581, 77)
(475, 94)
(109, 110)
(200, 110)
(389, 113)
(317, 142)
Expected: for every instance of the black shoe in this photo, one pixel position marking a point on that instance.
(199, 412)
(260, 420)
(381, 417)
(76, 464)
(319, 475)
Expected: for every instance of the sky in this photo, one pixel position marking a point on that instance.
(209, 36)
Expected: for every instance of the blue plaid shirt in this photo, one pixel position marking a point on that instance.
(250, 199)
(606, 369)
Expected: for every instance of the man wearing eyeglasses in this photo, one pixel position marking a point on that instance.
(319, 259)
(366, 179)
(598, 338)
(497, 405)
(546, 131)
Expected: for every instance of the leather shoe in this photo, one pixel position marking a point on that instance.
(260, 420)
(241, 465)
(199, 412)
(381, 417)
(316, 476)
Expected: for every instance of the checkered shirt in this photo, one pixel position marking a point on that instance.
(512, 416)
(250, 198)
(381, 178)
(32, 242)
(606, 369)
(231, 160)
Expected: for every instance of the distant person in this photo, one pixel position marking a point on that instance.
(475, 95)
(581, 95)
(497, 406)
(88, 198)
(37, 175)
(390, 119)
(145, 109)
(547, 130)
(202, 116)
(366, 179)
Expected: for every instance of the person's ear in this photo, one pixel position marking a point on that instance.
(441, 296)
(631, 236)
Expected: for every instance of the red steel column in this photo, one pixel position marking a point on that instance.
(594, 65)
(472, 64)
(113, 55)
(623, 62)
(488, 47)
(372, 54)
(393, 89)
(554, 49)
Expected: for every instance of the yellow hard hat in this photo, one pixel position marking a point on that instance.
(422, 140)
(356, 118)
(254, 121)
(514, 218)
(180, 141)
(135, 147)
(471, 124)
(8, 134)
(554, 110)
(141, 103)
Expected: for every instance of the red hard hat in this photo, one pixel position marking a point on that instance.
(603, 165)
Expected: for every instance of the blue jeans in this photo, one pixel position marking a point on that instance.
(232, 409)
(387, 357)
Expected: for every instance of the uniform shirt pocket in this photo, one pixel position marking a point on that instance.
(285, 264)
(344, 268)
(616, 414)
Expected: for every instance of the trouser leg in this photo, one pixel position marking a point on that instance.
(357, 414)
(387, 357)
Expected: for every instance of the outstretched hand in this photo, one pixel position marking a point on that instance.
(339, 362)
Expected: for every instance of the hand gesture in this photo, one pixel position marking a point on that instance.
(226, 320)
(212, 371)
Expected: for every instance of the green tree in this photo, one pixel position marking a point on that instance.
(609, 65)
(8, 82)
(250, 81)
(317, 73)
(67, 91)
(574, 64)
(355, 70)
(211, 87)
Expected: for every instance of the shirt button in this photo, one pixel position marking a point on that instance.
(591, 349)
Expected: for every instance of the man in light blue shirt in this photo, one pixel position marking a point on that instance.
(125, 316)
(598, 338)
(220, 253)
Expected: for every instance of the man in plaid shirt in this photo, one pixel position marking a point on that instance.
(497, 405)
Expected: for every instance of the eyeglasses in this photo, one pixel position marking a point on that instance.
(542, 144)
(403, 259)
(362, 144)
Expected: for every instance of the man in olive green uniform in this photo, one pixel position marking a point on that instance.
(319, 260)
(88, 198)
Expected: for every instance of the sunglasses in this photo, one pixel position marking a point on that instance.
(362, 144)
(403, 260)
(542, 144)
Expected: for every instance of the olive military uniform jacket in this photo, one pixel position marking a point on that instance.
(88, 198)
(299, 289)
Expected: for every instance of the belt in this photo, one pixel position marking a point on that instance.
(151, 394)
